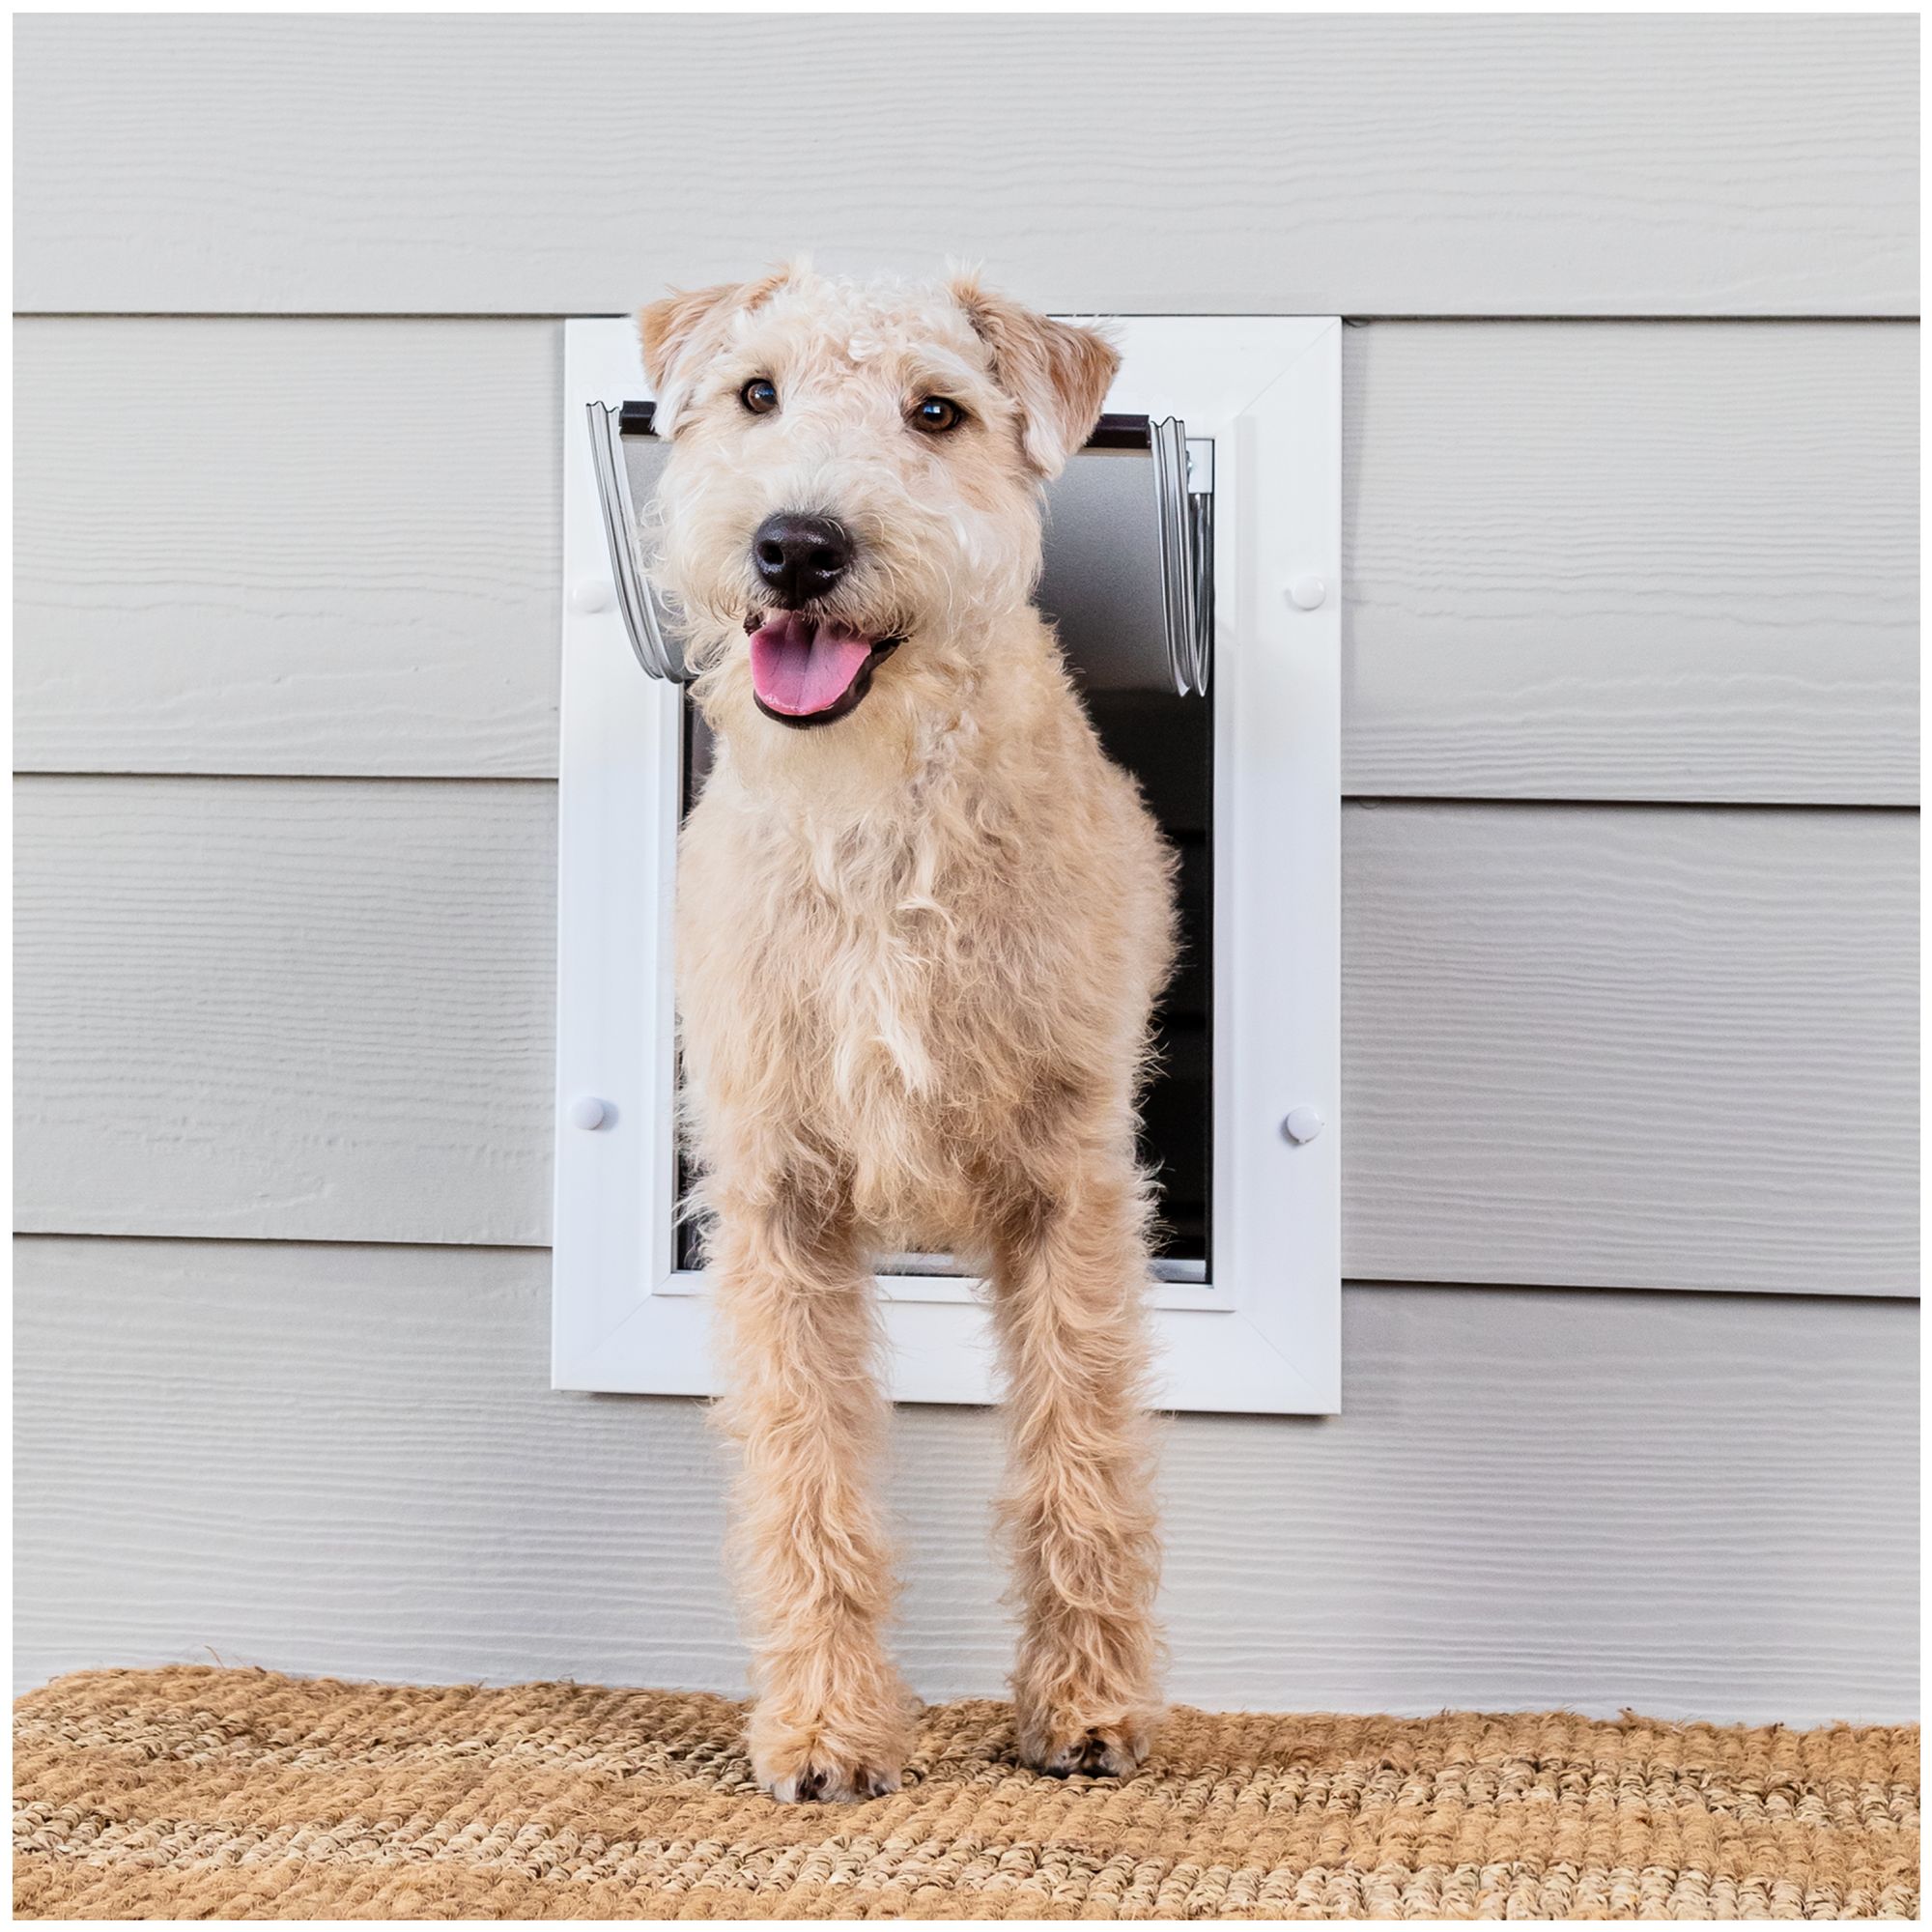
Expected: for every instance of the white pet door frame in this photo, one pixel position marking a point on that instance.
(1264, 1333)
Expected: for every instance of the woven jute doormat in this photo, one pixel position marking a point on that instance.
(201, 1793)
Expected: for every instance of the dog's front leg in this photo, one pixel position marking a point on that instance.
(833, 1719)
(1071, 1271)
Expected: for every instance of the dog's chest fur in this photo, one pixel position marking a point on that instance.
(905, 989)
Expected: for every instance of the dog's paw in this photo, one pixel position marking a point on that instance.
(823, 1777)
(806, 1752)
(1092, 1751)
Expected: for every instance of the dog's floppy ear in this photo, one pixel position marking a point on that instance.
(666, 328)
(1058, 374)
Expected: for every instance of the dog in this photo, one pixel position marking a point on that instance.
(921, 924)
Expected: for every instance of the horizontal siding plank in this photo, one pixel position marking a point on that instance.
(295, 1007)
(1622, 1045)
(1368, 165)
(1663, 1047)
(1613, 561)
(346, 1459)
(1642, 563)
(289, 547)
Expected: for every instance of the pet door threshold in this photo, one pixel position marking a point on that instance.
(1165, 1268)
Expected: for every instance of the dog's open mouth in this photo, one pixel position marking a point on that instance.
(808, 671)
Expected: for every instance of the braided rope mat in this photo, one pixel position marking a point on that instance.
(192, 1793)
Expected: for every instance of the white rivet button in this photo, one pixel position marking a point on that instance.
(587, 1111)
(1308, 593)
(592, 594)
(1303, 1125)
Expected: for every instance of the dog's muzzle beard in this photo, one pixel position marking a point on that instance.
(782, 631)
(809, 666)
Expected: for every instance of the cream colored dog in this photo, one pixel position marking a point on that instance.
(922, 922)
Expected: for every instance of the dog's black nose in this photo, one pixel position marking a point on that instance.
(801, 557)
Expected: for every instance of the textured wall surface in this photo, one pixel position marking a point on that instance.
(1395, 166)
(344, 1458)
(1631, 499)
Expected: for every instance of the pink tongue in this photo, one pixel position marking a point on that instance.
(799, 666)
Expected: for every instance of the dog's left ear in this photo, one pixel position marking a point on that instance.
(1058, 374)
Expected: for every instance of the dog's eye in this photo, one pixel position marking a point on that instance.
(935, 415)
(759, 396)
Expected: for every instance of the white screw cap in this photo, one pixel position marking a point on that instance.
(1308, 593)
(1303, 1125)
(592, 594)
(587, 1111)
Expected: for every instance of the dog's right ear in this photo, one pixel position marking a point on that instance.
(689, 319)
(666, 328)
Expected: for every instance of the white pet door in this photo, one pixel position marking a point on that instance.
(1193, 563)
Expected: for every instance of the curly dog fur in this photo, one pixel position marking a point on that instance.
(917, 948)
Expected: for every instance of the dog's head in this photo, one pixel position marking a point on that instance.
(854, 477)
